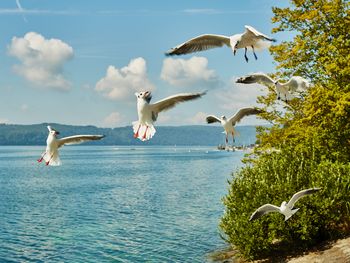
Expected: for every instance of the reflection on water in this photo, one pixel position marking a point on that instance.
(113, 204)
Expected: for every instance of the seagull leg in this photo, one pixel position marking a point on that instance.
(256, 58)
(137, 133)
(226, 139)
(144, 135)
(233, 138)
(47, 163)
(245, 54)
(41, 158)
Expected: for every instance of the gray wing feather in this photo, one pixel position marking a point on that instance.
(212, 118)
(256, 33)
(301, 194)
(262, 210)
(242, 113)
(76, 139)
(256, 78)
(298, 83)
(170, 102)
(200, 43)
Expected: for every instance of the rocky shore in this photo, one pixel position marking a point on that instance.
(336, 251)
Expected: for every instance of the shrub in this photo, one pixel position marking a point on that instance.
(275, 178)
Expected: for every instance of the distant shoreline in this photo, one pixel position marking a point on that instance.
(190, 135)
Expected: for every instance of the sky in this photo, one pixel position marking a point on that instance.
(80, 62)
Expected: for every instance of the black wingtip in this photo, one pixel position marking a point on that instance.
(274, 40)
(170, 53)
(239, 80)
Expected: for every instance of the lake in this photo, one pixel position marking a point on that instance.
(113, 204)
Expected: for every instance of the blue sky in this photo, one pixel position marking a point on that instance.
(80, 62)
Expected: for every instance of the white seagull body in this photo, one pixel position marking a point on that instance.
(228, 124)
(286, 208)
(148, 113)
(250, 39)
(284, 90)
(51, 155)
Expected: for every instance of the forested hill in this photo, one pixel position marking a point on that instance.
(36, 134)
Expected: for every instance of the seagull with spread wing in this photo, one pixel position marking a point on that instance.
(148, 113)
(250, 39)
(51, 155)
(228, 124)
(286, 208)
(284, 90)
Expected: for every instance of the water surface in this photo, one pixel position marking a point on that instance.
(113, 204)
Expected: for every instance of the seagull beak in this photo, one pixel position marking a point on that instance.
(136, 94)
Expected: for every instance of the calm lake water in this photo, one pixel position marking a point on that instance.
(113, 204)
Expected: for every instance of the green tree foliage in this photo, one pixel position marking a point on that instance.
(311, 136)
(275, 178)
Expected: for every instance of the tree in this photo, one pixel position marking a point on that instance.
(310, 134)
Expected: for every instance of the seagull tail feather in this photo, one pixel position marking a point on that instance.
(54, 159)
(293, 212)
(142, 131)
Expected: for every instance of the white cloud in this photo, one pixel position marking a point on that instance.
(181, 72)
(112, 120)
(164, 117)
(122, 83)
(199, 118)
(240, 95)
(3, 120)
(41, 59)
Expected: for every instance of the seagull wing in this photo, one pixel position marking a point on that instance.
(242, 113)
(200, 43)
(256, 78)
(255, 33)
(170, 102)
(301, 194)
(262, 210)
(76, 139)
(297, 83)
(212, 118)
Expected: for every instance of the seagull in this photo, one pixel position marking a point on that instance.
(51, 155)
(294, 84)
(286, 208)
(251, 38)
(228, 124)
(148, 113)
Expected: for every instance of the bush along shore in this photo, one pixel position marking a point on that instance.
(310, 135)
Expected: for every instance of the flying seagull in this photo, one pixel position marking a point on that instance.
(228, 124)
(250, 39)
(286, 208)
(284, 90)
(51, 155)
(148, 113)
